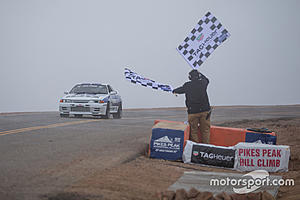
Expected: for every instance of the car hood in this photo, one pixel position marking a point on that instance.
(85, 96)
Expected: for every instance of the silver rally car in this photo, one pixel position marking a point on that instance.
(91, 99)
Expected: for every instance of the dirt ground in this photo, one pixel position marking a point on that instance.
(143, 178)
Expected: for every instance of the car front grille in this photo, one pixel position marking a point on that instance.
(80, 101)
(80, 109)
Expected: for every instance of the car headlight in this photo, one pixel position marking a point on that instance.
(105, 100)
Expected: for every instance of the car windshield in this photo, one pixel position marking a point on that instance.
(89, 89)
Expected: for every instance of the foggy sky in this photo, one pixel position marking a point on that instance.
(46, 47)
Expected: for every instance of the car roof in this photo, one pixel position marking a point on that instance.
(91, 84)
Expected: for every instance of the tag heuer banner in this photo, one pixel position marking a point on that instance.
(207, 154)
(207, 35)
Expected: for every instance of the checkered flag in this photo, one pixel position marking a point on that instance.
(138, 79)
(203, 40)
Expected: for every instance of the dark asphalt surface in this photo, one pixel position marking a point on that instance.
(45, 158)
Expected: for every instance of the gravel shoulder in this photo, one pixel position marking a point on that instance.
(144, 178)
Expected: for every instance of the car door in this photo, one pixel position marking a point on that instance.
(114, 99)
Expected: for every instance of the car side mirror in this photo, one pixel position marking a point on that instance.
(66, 92)
(113, 92)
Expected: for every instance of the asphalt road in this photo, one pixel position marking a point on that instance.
(42, 153)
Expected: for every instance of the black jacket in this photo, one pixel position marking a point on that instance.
(196, 96)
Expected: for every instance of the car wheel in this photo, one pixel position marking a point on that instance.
(106, 116)
(78, 116)
(118, 115)
(64, 115)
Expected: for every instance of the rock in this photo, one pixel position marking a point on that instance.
(238, 197)
(193, 193)
(181, 195)
(205, 196)
(168, 195)
(267, 196)
(254, 196)
(223, 196)
(159, 195)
